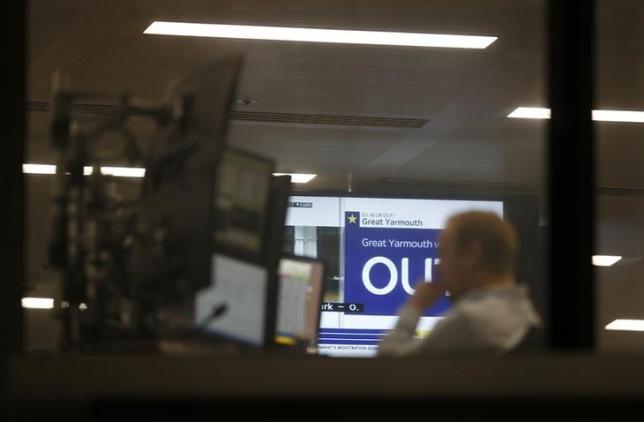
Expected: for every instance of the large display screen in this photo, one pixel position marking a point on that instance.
(375, 250)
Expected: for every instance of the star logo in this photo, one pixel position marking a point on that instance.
(352, 219)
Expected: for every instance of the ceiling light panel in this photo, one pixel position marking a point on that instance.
(277, 33)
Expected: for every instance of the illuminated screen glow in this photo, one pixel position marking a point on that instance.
(375, 249)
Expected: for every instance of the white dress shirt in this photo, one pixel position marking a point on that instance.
(487, 321)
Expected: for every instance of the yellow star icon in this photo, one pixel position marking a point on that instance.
(352, 219)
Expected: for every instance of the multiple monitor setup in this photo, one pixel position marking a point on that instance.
(244, 289)
(214, 246)
(197, 255)
(364, 255)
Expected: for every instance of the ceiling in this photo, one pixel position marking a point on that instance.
(463, 94)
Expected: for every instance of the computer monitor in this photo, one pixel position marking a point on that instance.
(241, 203)
(171, 250)
(234, 306)
(241, 302)
(299, 300)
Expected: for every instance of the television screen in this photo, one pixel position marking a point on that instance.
(375, 250)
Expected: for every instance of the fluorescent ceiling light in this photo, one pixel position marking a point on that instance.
(123, 171)
(618, 116)
(87, 170)
(622, 116)
(37, 302)
(605, 260)
(276, 33)
(530, 113)
(298, 177)
(138, 172)
(117, 171)
(38, 169)
(626, 325)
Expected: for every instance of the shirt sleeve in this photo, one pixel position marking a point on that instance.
(401, 341)
(453, 335)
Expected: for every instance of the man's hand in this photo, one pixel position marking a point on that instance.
(426, 295)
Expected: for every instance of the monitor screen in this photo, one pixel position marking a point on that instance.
(180, 163)
(243, 189)
(375, 250)
(234, 306)
(300, 293)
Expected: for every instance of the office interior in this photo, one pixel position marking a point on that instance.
(348, 121)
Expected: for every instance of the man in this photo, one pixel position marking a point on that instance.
(491, 315)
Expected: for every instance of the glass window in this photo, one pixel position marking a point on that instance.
(620, 178)
(386, 122)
